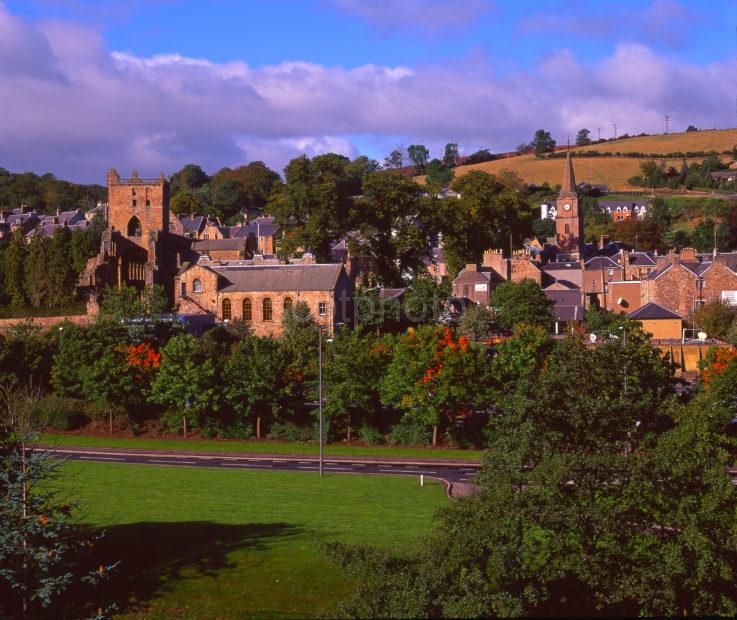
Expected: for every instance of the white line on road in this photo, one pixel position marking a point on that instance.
(100, 458)
(172, 462)
(408, 471)
(251, 465)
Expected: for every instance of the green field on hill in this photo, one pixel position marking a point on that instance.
(233, 544)
(267, 447)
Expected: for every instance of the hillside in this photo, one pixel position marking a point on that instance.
(610, 171)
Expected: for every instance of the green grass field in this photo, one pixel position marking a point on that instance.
(234, 544)
(270, 447)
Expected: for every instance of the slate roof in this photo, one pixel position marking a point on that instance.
(193, 224)
(601, 262)
(264, 278)
(263, 226)
(653, 311)
(641, 259)
(567, 305)
(208, 245)
(569, 266)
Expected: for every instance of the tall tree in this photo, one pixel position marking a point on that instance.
(256, 179)
(438, 175)
(311, 207)
(395, 159)
(61, 274)
(419, 156)
(35, 272)
(15, 261)
(451, 155)
(521, 302)
(191, 177)
(543, 143)
(582, 137)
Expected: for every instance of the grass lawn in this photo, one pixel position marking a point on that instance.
(271, 447)
(198, 543)
(79, 307)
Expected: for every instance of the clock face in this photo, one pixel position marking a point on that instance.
(567, 207)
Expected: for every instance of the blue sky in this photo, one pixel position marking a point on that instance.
(240, 80)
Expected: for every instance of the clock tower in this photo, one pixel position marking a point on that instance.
(568, 223)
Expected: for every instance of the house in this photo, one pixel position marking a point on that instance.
(259, 234)
(567, 306)
(725, 176)
(625, 209)
(259, 294)
(661, 323)
(597, 273)
(624, 296)
(477, 282)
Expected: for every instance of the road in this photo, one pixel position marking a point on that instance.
(453, 473)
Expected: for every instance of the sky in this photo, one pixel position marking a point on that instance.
(155, 84)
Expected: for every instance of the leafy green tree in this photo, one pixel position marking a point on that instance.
(419, 156)
(438, 175)
(35, 271)
(300, 342)
(395, 159)
(85, 244)
(256, 179)
(707, 233)
(353, 367)
(185, 379)
(186, 202)
(582, 137)
(522, 302)
(424, 301)
(61, 274)
(120, 303)
(715, 318)
(543, 143)
(15, 261)
(229, 197)
(111, 382)
(478, 322)
(479, 156)
(388, 218)
(543, 228)
(451, 155)
(189, 178)
(43, 553)
(257, 387)
(311, 208)
(375, 313)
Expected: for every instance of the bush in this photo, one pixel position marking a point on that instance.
(370, 435)
(289, 431)
(236, 430)
(62, 414)
(172, 422)
(410, 433)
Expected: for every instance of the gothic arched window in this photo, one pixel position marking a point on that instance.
(287, 303)
(134, 227)
(568, 229)
(227, 313)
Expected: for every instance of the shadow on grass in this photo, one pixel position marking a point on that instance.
(154, 556)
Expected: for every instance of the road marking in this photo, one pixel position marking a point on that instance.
(357, 464)
(100, 458)
(251, 465)
(172, 462)
(305, 462)
(463, 480)
(408, 471)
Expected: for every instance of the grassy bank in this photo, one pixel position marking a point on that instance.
(231, 544)
(7, 312)
(271, 447)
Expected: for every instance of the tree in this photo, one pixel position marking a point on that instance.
(372, 312)
(521, 302)
(311, 208)
(544, 228)
(660, 213)
(256, 179)
(35, 271)
(419, 156)
(61, 275)
(185, 379)
(478, 157)
(15, 260)
(478, 322)
(353, 367)
(543, 143)
(229, 197)
(708, 234)
(424, 300)
(189, 178)
(256, 387)
(43, 554)
(185, 202)
(715, 318)
(582, 138)
(641, 234)
(85, 244)
(389, 219)
(691, 128)
(433, 377)
(300, 341)
(451, 155)
(438, 175)
(395, 160)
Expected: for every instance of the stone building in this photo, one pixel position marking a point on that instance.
(259, 294)
(477, 282)
(568, 222)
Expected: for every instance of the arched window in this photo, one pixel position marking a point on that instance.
(226, 310)
(134, 227)
(247, 310)
(197, 286)
(287, 303)
(266, 310)
(568, 229)
(148, 197)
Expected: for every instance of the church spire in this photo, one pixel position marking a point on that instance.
(569, 181)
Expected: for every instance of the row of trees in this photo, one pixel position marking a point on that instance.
(46, 193)
(229, 383)
(653, 174)
(45, 271)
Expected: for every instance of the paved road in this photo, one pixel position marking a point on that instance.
(452, 473)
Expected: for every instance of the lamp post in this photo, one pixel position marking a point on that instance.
(61, 338)
(319, 397)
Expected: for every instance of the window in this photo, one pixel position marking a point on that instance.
(611, 272)
(133, 197)
(226, 309)
(247, 310)
(568, 229)
(148, 197)
(287, 303)
(266, 310)
(134, 227)
(184, 288)
(197, 286)
(321, 308)
(206, 236)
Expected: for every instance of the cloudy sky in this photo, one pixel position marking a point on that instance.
(156, 84)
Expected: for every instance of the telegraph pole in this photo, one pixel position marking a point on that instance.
(615, 130)
(667, 122)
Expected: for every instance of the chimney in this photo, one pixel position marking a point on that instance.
(471, 267)
(624, 261)
(688, 254)
(493, 259)
(674, 258)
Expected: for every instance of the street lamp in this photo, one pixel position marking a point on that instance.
(61, 338)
